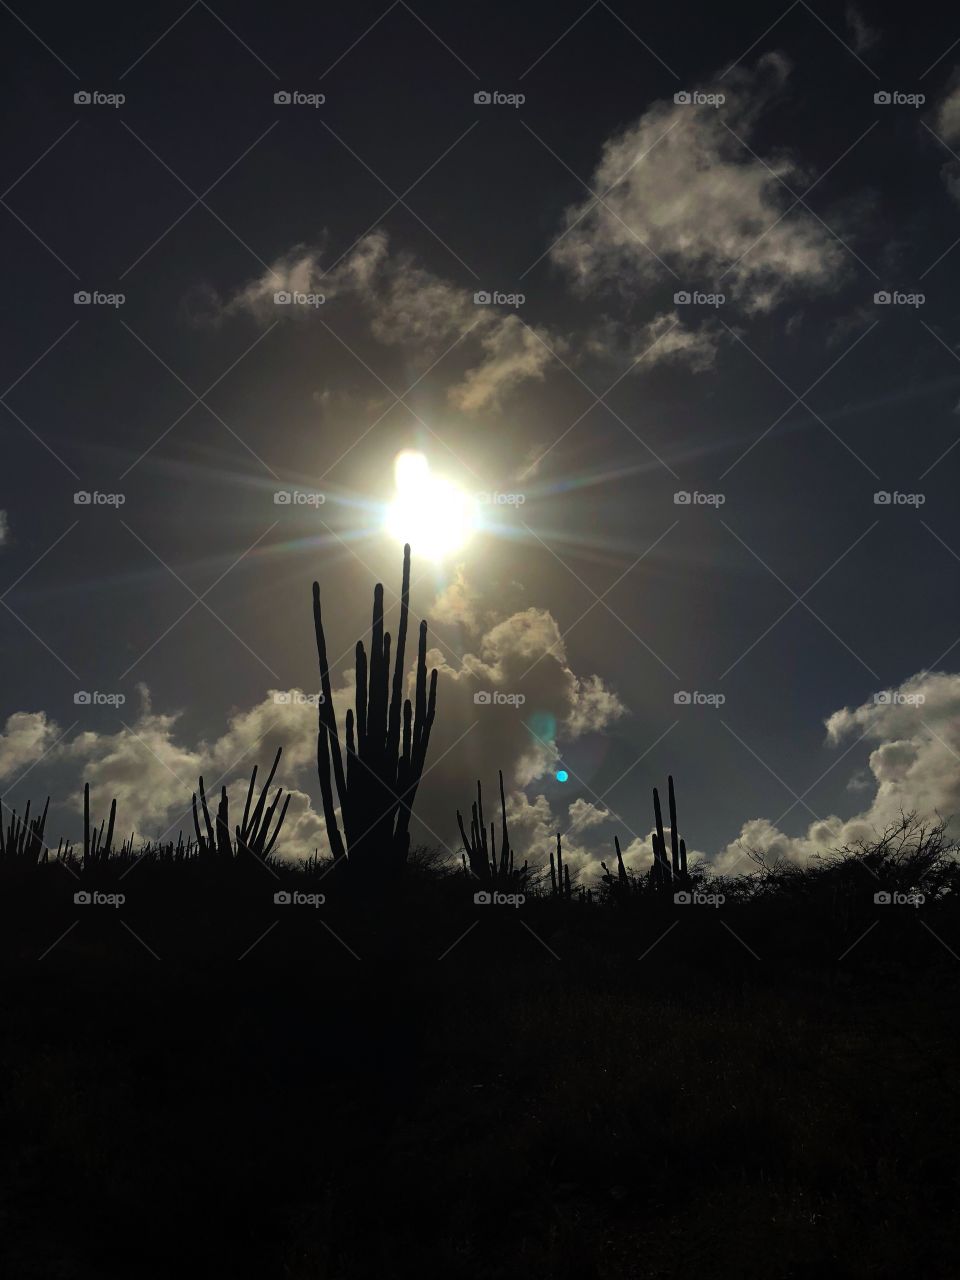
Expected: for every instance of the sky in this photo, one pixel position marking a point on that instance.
(708, 418)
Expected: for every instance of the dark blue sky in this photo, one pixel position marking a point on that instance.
(120, 203)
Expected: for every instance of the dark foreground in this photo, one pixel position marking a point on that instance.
(563, 1092)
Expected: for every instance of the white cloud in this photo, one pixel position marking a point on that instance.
(26, 737)
(680, 181)
(406, 305)
(913, 766)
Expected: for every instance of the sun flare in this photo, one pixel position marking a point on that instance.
(432, 513)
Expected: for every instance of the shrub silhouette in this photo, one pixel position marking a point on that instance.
(252, 835)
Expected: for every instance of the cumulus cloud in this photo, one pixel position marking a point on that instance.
(678, 186)
(913, 766)
(26, 738)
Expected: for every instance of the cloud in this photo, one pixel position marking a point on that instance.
(405, 305)
(863, 35)
(948, 116)
(678, 186)
(913, 766)
(513, 353)
(26, 737)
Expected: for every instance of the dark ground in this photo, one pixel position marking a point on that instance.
(733, 1103)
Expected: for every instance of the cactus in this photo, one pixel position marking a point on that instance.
(484, 863)
(376, 793)
(559, 874)
(664, 873)
(24, 839)
(96, 848)
(252, 835)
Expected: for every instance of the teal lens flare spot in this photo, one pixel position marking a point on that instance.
(562, 775)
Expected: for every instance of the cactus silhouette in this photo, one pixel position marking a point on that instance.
(252, 835)
(96, 849)
(24, 839)
(377, 790)
(484, 863)
(663, 873)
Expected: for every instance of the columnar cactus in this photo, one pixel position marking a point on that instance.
(253, 834)
(559, 874)
(376, 793)
(484, 863)
(24, 839)
(96, 849)
(664, 872)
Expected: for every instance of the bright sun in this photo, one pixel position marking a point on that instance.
(434, 515)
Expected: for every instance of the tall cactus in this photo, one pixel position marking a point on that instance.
(96, 849)
(484, 863)
(377, 790)
(663, 872)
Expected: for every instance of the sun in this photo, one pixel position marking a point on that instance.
(432, 513)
